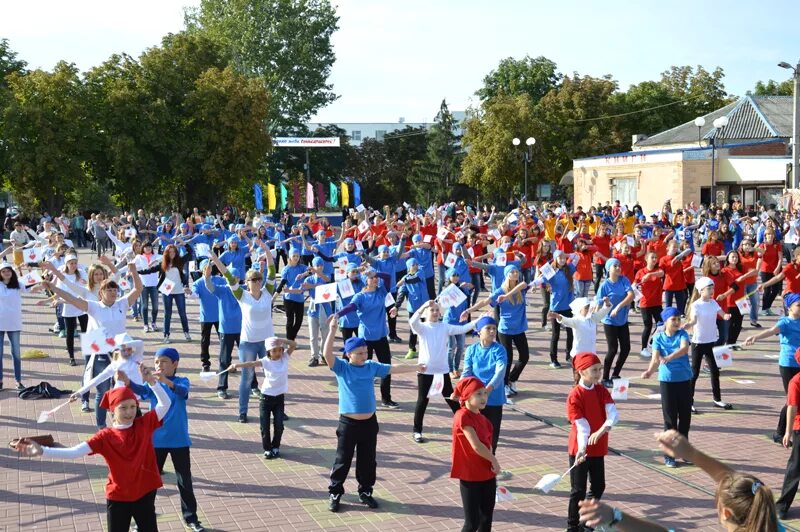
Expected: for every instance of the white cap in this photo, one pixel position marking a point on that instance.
(6, 264)
(703, 282)
(123, 339)
(578, 304)
(271, 343)
(70, 256)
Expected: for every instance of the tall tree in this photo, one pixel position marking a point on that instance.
(285, 43)
(8, 64)
(703, 91)
(774, 88)
(405, 149)
(532, 76)
(439, 171)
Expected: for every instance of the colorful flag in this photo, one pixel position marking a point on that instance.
(333, 191)
(356, 193)
(271, 201)
(259, 198)
(345, 194)
(284, 196)
(309, 195)
(321, 195)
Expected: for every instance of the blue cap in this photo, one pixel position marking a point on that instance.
(233, 239)
(669, 312)
(236, 272)
(169, 352)
(350, 267)
(412, 262)
(349, 241)
(231, 227)
(451, 272)
(382, 248)
(353, 343)
(203, 264)
(791, 298)
(483, 322)
(508, 269)
(457, 246)
(317, 262)
(164, 219)
(239, 226)
(610, 263)
(184, 226)
(416, 238)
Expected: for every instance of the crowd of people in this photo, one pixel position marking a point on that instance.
(691, 275)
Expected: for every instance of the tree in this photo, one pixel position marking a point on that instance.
(405, 149)
(512, 77)
(439, 171)
(8, 65)
(774, 88)
(703, 91)
(648, 107)
(45, 127)
(285, 43)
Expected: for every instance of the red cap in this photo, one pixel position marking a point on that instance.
(114, 397)
(584, 360)
(466, 387)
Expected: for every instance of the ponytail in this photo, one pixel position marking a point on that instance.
(749, 501)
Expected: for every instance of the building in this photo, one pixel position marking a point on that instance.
(750, 160)
(359, 131)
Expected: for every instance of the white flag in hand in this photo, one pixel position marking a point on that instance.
(723, 355)
(620, 390)
(547, 271)
(502, 494)
(452, 296)
(450, 260)
(167, 287)
(743, 304)
(345, 288)
(325, 293)
(30, 279)
(436, 386)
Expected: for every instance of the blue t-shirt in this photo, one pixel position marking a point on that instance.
(356, 388)
(174, 430)
(678, 370)
(416, 290)
(289, 274)
(513, 319)
(616, 292)
(789, 334)
(235, 259)
(350, 320)
(371, 310)
(462, 269)
(389, 267)
(453, 314)
(497, 273)
(326, 248)
(560, 293)
(425, 259)
(209, 305)
(489, 365)
(230, 313)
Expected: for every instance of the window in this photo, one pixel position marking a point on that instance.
(355, 135)
(379, 134)
(624, 190)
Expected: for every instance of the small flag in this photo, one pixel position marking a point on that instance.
(547, 271)
(436, 386)
(325, 293)
(501, 259)
(166, 287)
(620, 390)
(345, 288)
(450, 260)
(723, 355)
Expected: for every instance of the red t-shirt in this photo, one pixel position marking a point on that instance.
(526, 250)
(791, 274)
(748, 265)
(771, 256)
(638, 260)
(467, 464)
(583, 270)
(793, 399)
(131, 459)
(688, 269)
(658, 246)
(590, 405)
(722, 281)
(603, 244)
(564, 244)
(477, 250)
(652, 288)
(626, 265)
(674, 280)
(734, 274)
(716, 249)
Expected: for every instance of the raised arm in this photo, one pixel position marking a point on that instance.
(77, 302)
(327, 350)
(137, 284)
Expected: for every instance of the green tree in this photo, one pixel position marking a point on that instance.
(774, 88)
(532, 76)
(8, 64)
(703, 91)
(405, 149)
(285, 43)
(439, 170)
(45, 127)
(648, 107)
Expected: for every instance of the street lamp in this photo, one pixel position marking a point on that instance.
(796, 118)
(699, 122)
(719, 126)
(526, 157)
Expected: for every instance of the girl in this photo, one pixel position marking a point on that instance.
(584, 323)
(412, 287)
(751, 262)
(591, 413)
(453, 316)
(560, 287)
(703, 313)
(724, 286)
(771, 255)
(650, 282)
(583, 273)
(544, 256)
(171, 267)
(293, 303)
(317, 312)
(615, 325)
(10, 316)
(688, 268)
(713, 247)
(127, 447)
(791, 273)
(72, 316)
(674, 280)
(473, 462)
(733, 267)
(276, 384)
(349, 322)
(671, 361)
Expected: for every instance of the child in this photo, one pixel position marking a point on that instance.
(473, 462)
(173, 436)
(583, 323)
(127, 447)
(671, 360)
(592, 413)
(276, 384)
(703, 313)
(790, 439)
(414, 288)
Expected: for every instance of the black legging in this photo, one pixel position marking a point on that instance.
(392, 321)
(786, 375)
(618, 338)
(545, 306)
(734, 325)
(294, 317)
(384, 356)
(71, 323)
(521, 343)
(650, 316)
(424, 383)
(555, 334)
(700, 351)
(599, 270)
(349, 332)
(770, 292)
(676, 405)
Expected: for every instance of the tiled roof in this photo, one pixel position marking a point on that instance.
(749, 118)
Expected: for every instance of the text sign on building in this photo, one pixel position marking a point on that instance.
(305, 142)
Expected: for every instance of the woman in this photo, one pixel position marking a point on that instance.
(650, 282)
(108, 313)
(561, 291)
(148, 302)
(751, 262)
(544, 256)
(618, 290)
(292, 276)
(771, 254)
(674, 280)
(723, 288)
(790, 273)
(72, 315)
(171, 269)
(10, 316)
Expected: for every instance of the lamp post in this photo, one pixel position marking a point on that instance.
(526, 157)
(699, 122)
(719, 125)
(795, 119)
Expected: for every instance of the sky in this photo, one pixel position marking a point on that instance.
(401, 58)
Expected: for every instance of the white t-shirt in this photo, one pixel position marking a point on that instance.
(71, 311)
(174, 275)
(705, 313)
(276, 375)
(256, 317)
(11, 308)
(151, 279)
(112, 318)
(433, 339)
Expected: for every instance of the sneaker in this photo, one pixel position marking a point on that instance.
(269, 455)
(694, 410)
(512, 387)
(276, 453)
(73, 362)
(242, 418)
(782, 514)
(507, 390)
(396, 340)
(166, 339)
(333, 502)
(187, 336)
(85, 407)
(509, 401)
(313, 362)
(285, 417)
(705, 370)
(366, 498)
(20, 386)
(195, 527)
(755, 325)
(76, 333)
(390, 404)
(555, 365)
(777, 438)
(548, 327)
(154, 328)
(418, 437)
(645, 353)
(146, 328)
(255, 393)
(670, 462)
(412, 354)
(223, 394)
(723, 405)
(504, 475)
(608, 383)
(568, 357)
(62, 333)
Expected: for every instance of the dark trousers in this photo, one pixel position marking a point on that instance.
(149, 297)
(294, 317)
(382, 352)
(70, 325)
(392, 321)
(618, 339)
(349, 332)
(477, 498)
(599, 271)
(205, 341)
(770, 292)
(734, 325)
(430, 282)
(520, 341)
(676, 405)
(555, 334)
(700, 351)
(593, 468)
(180, 303)
(183, 470)
(786, 375)
(650, 316)
(476, 279)
(359, 437)
(412, 341)
(791, 477)
(271, 405)
(545, 306)
(680, 299)
(143, 511)
(495, 416)
(424, 383)
(226, 343)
